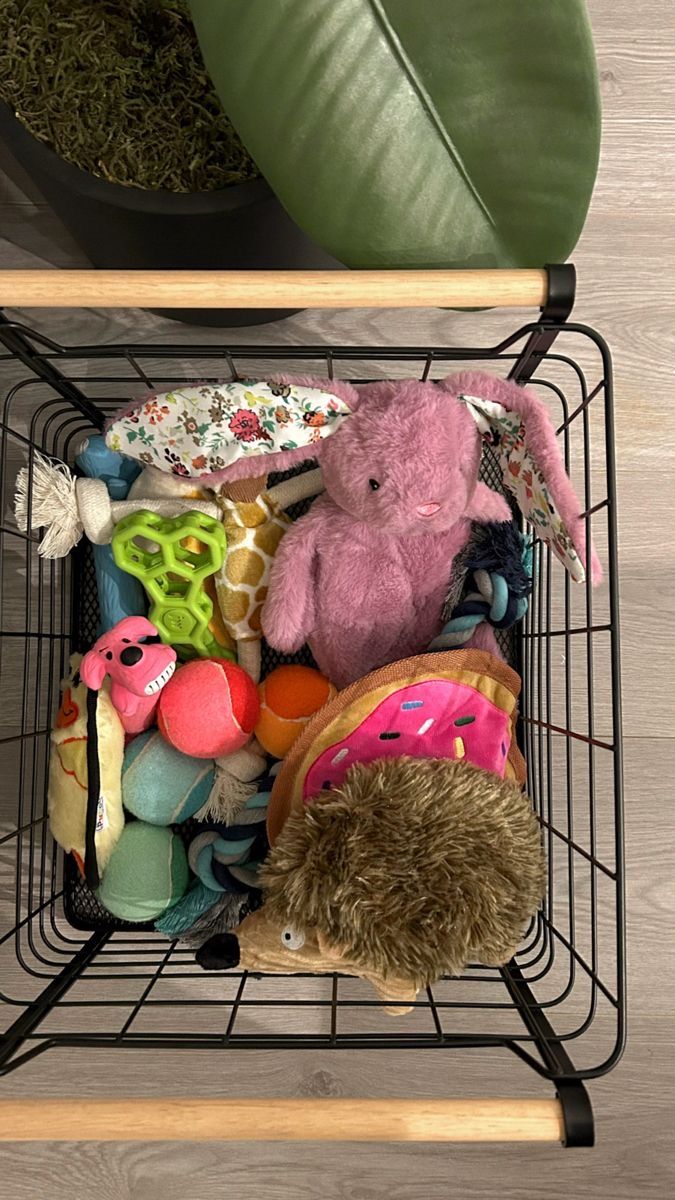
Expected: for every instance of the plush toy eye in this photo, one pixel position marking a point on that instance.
(373, 484)
(292, 939)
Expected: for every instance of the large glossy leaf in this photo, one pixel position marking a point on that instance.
(416, 133)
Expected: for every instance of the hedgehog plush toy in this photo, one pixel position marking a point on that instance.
(402, 844)
(412, 868)
(407, 871)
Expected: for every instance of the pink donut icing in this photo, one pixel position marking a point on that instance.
(438, 718)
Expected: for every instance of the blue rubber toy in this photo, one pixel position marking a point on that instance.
(119, 594)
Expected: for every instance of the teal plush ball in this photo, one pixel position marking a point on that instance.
(147, 873)
(159, 784)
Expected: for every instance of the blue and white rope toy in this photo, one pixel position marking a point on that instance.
(497, 584)
(225, 860)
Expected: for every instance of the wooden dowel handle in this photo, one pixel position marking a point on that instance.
(280, 1120)
(273, 289)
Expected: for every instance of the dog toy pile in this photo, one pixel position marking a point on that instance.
(364, 814)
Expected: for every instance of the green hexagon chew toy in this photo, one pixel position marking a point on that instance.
(160, 552)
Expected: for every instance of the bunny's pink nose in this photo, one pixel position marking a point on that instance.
(428, 510)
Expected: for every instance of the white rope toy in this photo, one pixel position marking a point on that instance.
(66, 507)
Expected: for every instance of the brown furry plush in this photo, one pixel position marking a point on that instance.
(413, 867)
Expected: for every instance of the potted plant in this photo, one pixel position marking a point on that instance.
(109, 109)
(425, 133)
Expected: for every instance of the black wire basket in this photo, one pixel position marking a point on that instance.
(74, 976)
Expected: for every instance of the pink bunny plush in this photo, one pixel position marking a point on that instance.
(363, 575)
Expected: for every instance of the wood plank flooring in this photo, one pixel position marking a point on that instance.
(626, 265)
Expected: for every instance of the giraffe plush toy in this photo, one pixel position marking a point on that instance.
(255, 521)
(253, 529)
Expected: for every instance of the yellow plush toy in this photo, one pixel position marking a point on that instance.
(68, 775)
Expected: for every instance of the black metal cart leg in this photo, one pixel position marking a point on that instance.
(39, 1008)
(577, 1112)
(562, 280)
(575, 1101)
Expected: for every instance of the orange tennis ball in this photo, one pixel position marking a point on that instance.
(288, 698)
(210, 708)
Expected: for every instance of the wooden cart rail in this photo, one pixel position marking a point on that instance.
(273, 289)
(311, 1120)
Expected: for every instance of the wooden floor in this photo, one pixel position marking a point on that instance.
(626, 264)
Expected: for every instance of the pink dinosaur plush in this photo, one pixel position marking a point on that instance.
(363, 576)
(138, 670)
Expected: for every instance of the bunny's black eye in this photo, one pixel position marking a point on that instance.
(373, 484)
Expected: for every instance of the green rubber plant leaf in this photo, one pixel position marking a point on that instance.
(416, 133)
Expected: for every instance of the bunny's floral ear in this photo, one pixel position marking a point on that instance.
(517, 424)
(220, 433)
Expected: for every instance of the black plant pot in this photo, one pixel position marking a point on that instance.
(243, 227)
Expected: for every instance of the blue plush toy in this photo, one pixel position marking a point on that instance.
(119, 594)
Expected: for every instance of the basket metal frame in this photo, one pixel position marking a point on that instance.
(52, 954)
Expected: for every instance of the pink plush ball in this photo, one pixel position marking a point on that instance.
(209, 707)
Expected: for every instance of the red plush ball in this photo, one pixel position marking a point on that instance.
(209, 707)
